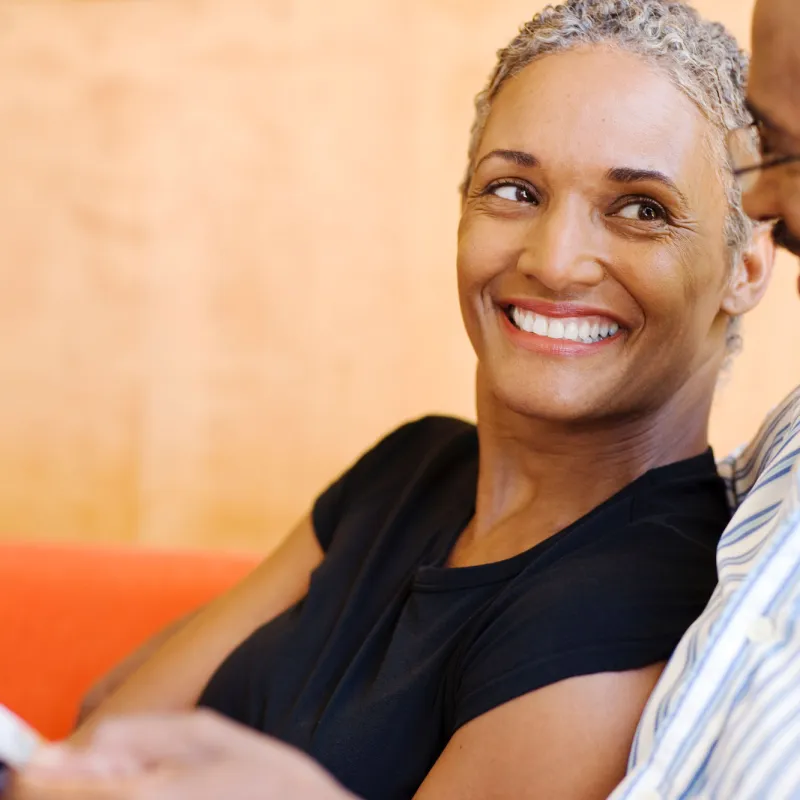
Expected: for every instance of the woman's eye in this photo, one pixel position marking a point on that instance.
(643, 211)
(513, 192)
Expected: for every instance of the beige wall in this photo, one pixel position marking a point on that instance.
(227, 234)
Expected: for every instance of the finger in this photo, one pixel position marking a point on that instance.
(61, 761)
(198, 736)
(192, 782)
(204, 783)
(33, 787)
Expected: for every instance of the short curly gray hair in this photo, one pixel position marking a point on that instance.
(701, 58)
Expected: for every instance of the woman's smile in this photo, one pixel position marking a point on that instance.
(589, 330)
(564, 329)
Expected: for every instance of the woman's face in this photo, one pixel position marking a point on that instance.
(592, 264)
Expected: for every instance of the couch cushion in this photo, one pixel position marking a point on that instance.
(69, 613)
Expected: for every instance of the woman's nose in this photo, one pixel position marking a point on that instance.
(561, 250)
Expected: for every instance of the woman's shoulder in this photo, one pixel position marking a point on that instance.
(614, 603)
(614, 592)
(424, 433)
(683, 505)
(659, 533)
(419, 457)
(415, 444)
(660, 547)
(656, 568)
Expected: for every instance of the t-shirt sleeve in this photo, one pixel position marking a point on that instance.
(382, 471)
(606, 613)
(327, 510)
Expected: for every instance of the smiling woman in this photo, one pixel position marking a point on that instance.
(604, 226)
(476, 612)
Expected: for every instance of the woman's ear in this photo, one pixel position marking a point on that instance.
(751, 273)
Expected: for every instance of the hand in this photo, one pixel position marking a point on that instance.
(192, 756)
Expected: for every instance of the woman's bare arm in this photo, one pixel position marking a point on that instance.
(176, 673)
(112, 680)
(570, 740)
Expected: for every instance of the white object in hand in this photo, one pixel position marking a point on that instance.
(17, 739)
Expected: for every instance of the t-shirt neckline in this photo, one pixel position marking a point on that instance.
(436, 576)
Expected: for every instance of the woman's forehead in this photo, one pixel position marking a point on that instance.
(598, 108)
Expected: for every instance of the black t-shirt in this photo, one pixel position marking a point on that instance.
(391, 652)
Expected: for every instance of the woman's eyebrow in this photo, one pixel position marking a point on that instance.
(518, 157)
(631, 175)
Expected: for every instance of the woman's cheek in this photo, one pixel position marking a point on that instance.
(667, 286)
(482, 256)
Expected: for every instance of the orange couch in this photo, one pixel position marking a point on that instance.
(69, 613)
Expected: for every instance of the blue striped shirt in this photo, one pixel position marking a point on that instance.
(724, 721)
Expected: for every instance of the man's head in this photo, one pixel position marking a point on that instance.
(774, 96)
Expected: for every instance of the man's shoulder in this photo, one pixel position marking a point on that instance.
(775, 447)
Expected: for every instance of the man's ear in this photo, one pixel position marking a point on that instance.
(750, 277)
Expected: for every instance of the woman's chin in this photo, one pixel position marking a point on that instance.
(566, 392)
(552, 403)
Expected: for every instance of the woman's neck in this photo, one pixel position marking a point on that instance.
(551, 474)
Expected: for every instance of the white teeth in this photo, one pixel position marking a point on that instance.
(555, 330)
(527, 322)
(523, 319)
(576, 330)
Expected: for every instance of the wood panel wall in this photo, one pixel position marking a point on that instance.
(227, 231)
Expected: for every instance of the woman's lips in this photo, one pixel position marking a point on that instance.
(562, 310)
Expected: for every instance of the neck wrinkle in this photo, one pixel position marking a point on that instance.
(553, 473)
